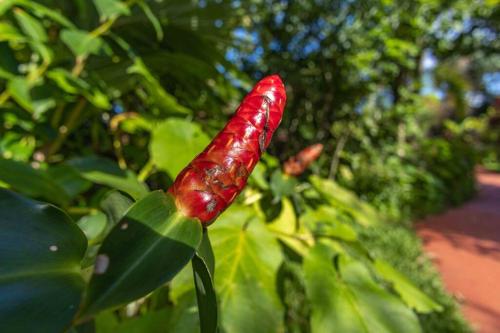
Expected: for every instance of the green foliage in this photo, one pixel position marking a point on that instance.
(152, 237)
(103, 101)
(402, 171)
(175, 143)
(411, 295)
(247, 258)
(80, 42)
(105, 172)
(203, 271)
(403, 250)
(360, 304)
(40, 250)
(32, 182)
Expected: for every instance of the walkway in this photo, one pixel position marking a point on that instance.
(465, 245)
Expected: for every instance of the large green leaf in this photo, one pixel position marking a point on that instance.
(114, 204)
(342, 198)
(412, 296)
(247, 257)
(32, 182)
(106, 172)
(347, 299)
(40, 254)
(69, 179)
(181, 318)
(328, 221)
(286, 228)
(175, 143)
(147, 248)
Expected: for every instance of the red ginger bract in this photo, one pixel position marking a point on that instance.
(211, 182)
(296, 165)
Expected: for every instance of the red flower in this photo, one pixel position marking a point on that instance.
(296, 165)
(210, 183)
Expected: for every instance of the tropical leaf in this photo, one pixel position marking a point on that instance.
(32, 182)
(115, 205)
(287, 229)
(345, 298)
(412, 296)
(247, 259)
(40, 279)
(175, 143)
(147, 248)
(328, 221)
(106, 172)
(342, 198)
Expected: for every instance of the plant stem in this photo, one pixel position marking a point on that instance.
(336, 156)
(81, 210)
(117, 147)
(56, 117)
(79, 65)
(68, 126)
(146, 170)
(4, 97)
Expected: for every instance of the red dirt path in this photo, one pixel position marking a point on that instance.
(465, 245)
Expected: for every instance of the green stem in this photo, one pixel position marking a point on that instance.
(4, 97)
(79, 65)
(117, 147)
(146, 170)
(68, 126)
(81, 210)
(56, 117)
(103, 28)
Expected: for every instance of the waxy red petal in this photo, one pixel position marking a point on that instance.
(211, 182)
(296, 165)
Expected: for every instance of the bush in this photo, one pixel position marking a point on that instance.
(402, 248)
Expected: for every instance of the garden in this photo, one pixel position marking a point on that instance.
(238, 166)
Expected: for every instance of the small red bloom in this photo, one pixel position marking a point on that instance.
(210, 183)
(296, 165)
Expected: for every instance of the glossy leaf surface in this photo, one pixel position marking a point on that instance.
(105, 172)
(412, 296)
(345, 298)
(40, 254)
(247, 257)
(147, 248)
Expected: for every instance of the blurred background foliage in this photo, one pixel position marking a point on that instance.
(404, 95)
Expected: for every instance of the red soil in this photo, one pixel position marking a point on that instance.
(465, 246)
